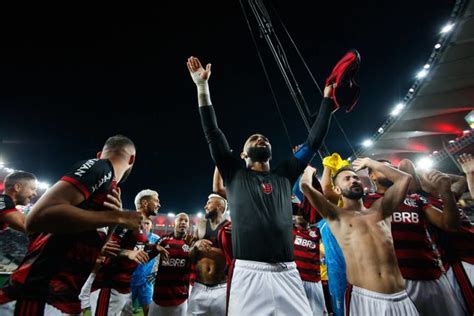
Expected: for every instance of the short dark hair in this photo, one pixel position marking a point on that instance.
(369, 170)
(15, 177)
(118, 142)
(339, 171)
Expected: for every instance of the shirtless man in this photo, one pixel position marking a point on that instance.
(208, 296)
(365, 239)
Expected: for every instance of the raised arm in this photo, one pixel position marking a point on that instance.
(467, 164)
(449, 218)
(218, 145)
(318, 200)
(326, 184)
(395, 195)
(318, 130)
(218, 184)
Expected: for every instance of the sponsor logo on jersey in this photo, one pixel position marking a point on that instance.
(103, 180)
(406, 217)
(305, 243)
(174, 262)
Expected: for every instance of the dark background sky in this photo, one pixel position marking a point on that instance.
(70, 76)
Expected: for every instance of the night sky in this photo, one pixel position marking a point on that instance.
(71, 76)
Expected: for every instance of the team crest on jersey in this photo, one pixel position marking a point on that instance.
(312, 233)
(185, 248)
(267, 188)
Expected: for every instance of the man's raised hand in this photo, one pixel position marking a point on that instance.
(198, 73)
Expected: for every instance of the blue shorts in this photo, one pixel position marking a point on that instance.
(143, 293)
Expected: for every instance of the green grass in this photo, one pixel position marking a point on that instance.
(138, 312)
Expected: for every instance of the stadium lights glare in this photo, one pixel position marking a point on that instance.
(9, 170)
(349, 159)
(411, 90)
(199, 214)
(367, 143)
(437, 46)
(398, 108)
(380, 130)
(425, 163)
(421, 74)
(452, 141)
(448, 27)
(2, 164)
(171, 214)
(43, 185)
(426, 66)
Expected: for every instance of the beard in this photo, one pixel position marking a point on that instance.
(126, 174)
(386, 183)
(22, 200)
(152, 212)
(260, 154)
(211, 214)
(353, 195)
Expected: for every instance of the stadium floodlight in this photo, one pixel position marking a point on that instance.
(422, 74)
(170, 214)
(43, 185)
(437, 46)
(397, 109)
(380, 130)
(199, 214)
(411, 90)
(367, 143)
(425, 163)
(470, 119)
(9, 170)
(447, 28)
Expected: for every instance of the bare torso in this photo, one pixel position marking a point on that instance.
(210, 266)
(366, 242)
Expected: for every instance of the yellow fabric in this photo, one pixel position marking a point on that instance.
(323, 267)
(335, 162)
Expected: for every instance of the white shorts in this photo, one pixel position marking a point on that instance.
(260, 288)
(207, 300)
(469, 268)
(85, 294)
(108, 301)
(455, 284)
(8, 309)
(158, 310)
(364, 302)
(314, 292)
(434, 297)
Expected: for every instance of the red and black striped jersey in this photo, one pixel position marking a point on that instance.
(172, 279)
(417, 254)
(456, 245)
(224, 239)
(116, 273)
(7, 206)
(306, 243)
(56, 266)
